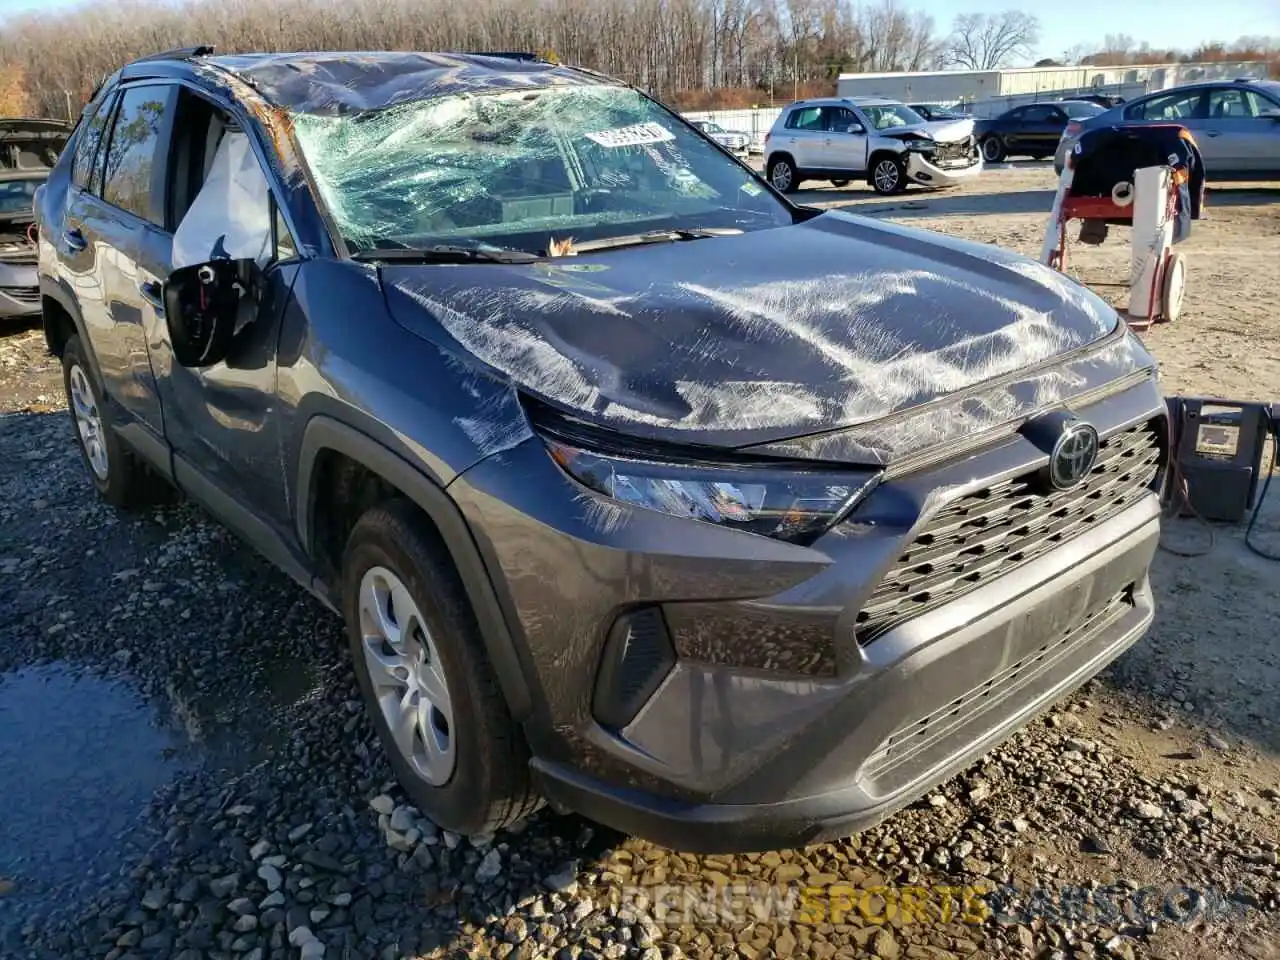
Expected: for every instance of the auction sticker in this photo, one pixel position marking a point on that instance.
(632, 136)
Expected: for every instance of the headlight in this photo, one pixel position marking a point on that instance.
(780, 502)
(921, 146)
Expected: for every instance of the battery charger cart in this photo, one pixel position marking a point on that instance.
(1148, 177)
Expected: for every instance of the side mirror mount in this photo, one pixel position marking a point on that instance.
(203, 305)
(856, 128)
(1273, 115)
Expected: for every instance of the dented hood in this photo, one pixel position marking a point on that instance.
(830, 324)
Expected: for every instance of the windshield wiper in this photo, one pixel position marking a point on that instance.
(656, 236)
(446, 253)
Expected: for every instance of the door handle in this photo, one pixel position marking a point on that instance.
(153, 293)
(74, 238)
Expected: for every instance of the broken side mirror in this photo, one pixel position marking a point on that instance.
(856, 128)
(203, 304)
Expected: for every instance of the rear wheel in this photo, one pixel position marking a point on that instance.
(888, 175)
(120, 478)
(420, 662)
(992, 150)
(782, 174)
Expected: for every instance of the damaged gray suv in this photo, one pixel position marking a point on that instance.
(727, 522)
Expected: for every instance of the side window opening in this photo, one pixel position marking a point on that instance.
(86, 165)
(134, 166)
(220, 203)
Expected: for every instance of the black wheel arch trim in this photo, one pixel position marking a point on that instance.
(325, 433)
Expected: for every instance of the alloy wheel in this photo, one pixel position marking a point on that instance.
(782, 175)
(407, 676)
(84, 406)
(886, 176)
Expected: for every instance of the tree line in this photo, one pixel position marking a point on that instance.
(691, 53)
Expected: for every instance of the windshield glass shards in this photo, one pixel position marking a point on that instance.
(530, 170)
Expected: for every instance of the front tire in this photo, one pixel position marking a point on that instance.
(420, 662)
(120, 478)
(782, 174)
(888, 175)
(992, 150)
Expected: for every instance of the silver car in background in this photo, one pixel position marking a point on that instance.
(734, 141)
(1236, 125)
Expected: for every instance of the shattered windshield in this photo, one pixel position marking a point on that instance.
(527, 170)
(884, 116)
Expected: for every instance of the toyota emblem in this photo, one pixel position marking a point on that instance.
(1074, 454)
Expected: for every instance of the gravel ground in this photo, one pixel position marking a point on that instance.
(187, 771)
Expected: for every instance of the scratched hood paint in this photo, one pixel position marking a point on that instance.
(834, 323)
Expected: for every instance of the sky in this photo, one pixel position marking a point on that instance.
(1174, 24)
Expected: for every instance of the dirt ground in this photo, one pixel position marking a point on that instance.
(1163, 772)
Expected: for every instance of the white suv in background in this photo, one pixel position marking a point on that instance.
(882, 141)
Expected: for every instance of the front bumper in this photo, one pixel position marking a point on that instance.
(19, 290)
(923, 171)
(776, 725)
(932, 701)
(19, 302)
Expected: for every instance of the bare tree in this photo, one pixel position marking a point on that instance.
(981, 41)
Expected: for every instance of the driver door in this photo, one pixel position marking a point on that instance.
(843, 149)
(219, 419)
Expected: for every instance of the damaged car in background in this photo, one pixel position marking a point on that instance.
(28, 150)
(727, 522)
(883, 142)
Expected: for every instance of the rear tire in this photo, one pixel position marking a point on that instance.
(420, 662)
(783, 175)
(121, 478)
(992, 150)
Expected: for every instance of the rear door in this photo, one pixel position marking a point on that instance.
(843, 149)
(1041, 128)
(1188, 107)
(1011, 128)
(805, 133)
(113, 249)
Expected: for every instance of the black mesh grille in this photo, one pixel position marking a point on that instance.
(637, 656)
(946, 725)
(986, 534)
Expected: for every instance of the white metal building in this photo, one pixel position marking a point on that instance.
(969, 86)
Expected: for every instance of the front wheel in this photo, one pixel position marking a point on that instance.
(783, 175)
(120, 478)
(888, 175)
(992, 150)
(420, 662)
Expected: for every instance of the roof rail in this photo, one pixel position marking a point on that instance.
(181, 53)
(510, 55)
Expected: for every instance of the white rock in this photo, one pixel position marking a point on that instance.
(301, 935)
(382, 804)
(271, 877)
(490, 866)
(403, 819)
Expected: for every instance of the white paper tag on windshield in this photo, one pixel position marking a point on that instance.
(632, 136)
